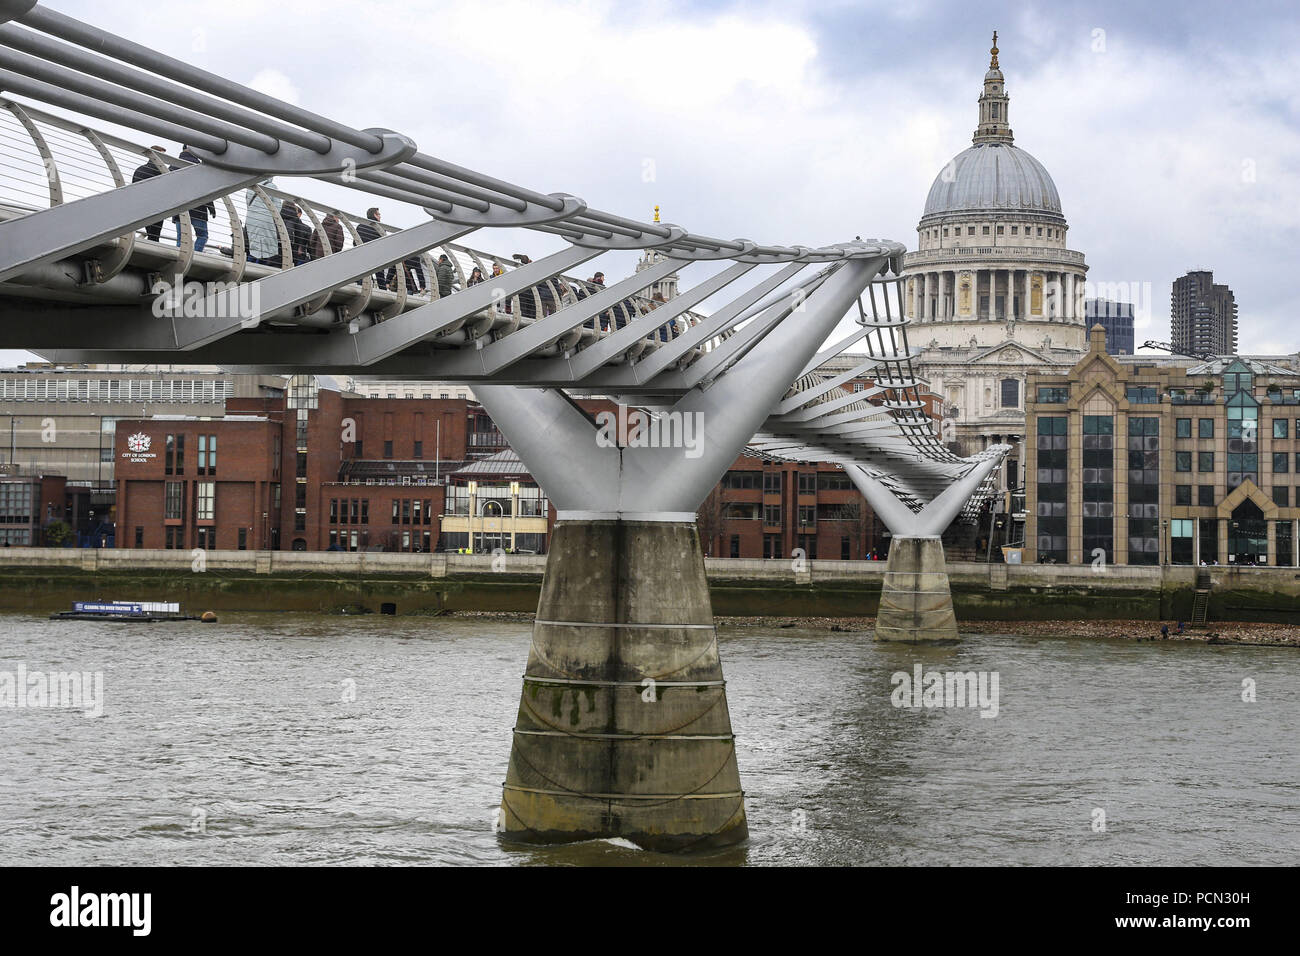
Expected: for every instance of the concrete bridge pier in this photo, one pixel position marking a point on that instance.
(623, 728)
(915, 597)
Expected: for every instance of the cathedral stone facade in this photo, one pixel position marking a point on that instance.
(992, 289)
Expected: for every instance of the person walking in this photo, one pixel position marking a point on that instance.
(475, 277)
(369, 232)
(445, 274)
(148, 170)
(199, 215)
(299, 234)
(328, 238)
(263, 238)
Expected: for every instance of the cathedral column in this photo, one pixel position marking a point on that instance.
(992, 283)
(1069, 296)
(942, 306)
(1011, 294)
(925, 298)
(1025, 302)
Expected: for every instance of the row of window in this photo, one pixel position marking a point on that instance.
(205, 500)
(174, 455)
(40, 389)
(771, 482)
(1052, 232)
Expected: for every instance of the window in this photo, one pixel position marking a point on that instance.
(1280, 460)
(300, 523)
(1000, 230)
(970, 230)
(388, 449)
(203, 454)
(807, 516)
(1182, 461)
(205, 496)
(833, 481)
(1142, 395)
(1011, 393)
(275, 496)
(365, 510)
(334, 511)
(243, 539)
(735, 545)
(807, 482)
(169, 456)
(1205, 461)
(772, 546)
(986, 230)
(212, 454)
(1053, 395)
(1282, 496)
(356, 449)
(1015, 230)
(1098, 500)
(771, 514)
(139, 536)
(173, 499)
(1205, 496)
(1182, 494)
(1053, 453)
(771, 482)
(1280, 427)
(174, 537)
(740, 479)
(1205, 428)
(1182, 428)
(207, 538)
(418, 451)
(1143, 490)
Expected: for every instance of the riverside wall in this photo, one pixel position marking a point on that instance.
(48, 579)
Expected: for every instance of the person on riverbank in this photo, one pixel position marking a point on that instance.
(1164, 632)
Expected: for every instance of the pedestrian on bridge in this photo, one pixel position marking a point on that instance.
(199, 215)
(299, 234)
(446, 275)
(262, 238)
(369, 232)
(148, 170)
(328, 238)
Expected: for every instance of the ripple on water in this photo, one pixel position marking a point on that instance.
(238, 744)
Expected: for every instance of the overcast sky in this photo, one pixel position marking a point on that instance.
(1171, 133)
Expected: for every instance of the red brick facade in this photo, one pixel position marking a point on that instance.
(369, 474)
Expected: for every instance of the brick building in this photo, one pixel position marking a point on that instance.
(768, 509)
(312, 467)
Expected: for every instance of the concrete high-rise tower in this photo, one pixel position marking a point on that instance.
(1202, 315)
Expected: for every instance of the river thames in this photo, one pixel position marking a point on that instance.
(302, 739)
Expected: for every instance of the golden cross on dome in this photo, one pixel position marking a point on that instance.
(993, 64)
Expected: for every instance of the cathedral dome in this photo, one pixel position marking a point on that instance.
(992, 177)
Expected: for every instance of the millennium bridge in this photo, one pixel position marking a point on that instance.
(112, 251)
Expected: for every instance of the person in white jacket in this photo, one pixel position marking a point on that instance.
(263, 241)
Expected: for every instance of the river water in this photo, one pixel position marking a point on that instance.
(240, 743)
